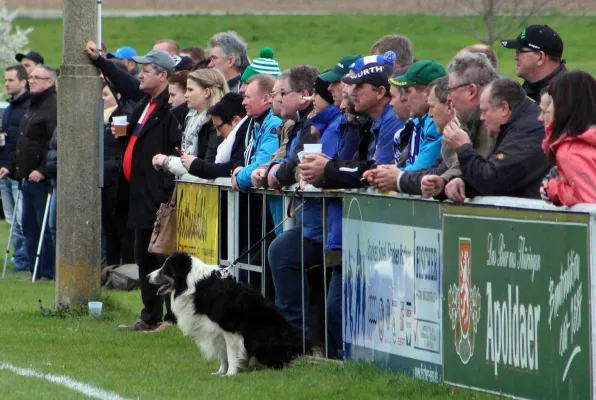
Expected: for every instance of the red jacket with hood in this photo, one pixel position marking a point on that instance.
(576, 164)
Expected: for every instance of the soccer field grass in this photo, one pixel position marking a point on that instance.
(318, 40)
(158, 366)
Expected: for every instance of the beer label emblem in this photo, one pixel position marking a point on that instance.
(464, 304)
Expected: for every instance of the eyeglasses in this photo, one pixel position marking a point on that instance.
(520, 51)
(38, 78)
(218, 127)
(282, 94)
(449, 90)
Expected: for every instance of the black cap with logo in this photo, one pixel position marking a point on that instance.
(538, 38)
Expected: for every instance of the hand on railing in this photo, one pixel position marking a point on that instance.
(432, 185)
(258, 178)
(384, 177)
(456, 190)
(272, 179)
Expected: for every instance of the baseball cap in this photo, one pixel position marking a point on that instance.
(340, 70)
(126, 52)
(183, 63)
(377, 74)
(388, 59)
(31, 55)
(420, 73)
(157, 57)
(538, 38)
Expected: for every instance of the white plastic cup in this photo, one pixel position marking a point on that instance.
(95, 308)
(120, 120)
(120, 124)
(313, 148)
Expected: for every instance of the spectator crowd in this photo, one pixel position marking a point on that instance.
(383, 119)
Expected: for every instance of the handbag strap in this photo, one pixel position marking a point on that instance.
(172, 202)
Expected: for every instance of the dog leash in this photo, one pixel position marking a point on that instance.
(224, 272)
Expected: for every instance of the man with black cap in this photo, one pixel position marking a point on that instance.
(539, 57)
(29, 60)
(151, 131)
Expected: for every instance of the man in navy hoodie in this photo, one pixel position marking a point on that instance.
(15, 81)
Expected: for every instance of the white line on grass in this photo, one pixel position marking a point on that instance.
(88, 390)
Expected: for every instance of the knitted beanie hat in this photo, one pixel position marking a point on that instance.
(265, 64)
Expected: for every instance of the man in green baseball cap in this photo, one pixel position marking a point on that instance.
(425, 143)
(334, 75)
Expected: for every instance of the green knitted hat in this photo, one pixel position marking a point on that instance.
(265, 64)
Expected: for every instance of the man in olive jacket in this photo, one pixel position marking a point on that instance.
(29, 166)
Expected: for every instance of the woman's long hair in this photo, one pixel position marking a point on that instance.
(574, 104)
(210, 79)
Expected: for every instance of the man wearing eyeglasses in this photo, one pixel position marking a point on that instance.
(539, 58)
(29, 165)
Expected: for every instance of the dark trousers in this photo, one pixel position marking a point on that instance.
(152, 312)
(34, 205)
(119, 239)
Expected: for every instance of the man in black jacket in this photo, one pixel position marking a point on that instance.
(15, 80)
(517, 163)
(539, 58)
(152, 130)
(29, 164)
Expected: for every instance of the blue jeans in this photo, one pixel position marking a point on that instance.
(284, 258)
(10, 192)
(34, 203)
(286, 269)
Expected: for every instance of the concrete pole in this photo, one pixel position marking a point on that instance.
(78, 254)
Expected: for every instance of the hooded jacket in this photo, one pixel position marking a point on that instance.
(259, 146)
(576, 163)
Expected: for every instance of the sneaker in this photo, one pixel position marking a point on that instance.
(139, 326)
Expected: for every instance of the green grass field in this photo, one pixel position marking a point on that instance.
(318, 40)
(159, 366)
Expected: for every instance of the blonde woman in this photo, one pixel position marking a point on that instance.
(204, 89)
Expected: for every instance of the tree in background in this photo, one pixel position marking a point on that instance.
(12, 38)
(501, 18)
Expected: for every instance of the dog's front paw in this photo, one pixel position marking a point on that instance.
(232, 372)
(218, 373)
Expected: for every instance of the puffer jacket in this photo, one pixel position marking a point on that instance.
(576, 163)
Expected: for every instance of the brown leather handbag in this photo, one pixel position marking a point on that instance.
(163, 237)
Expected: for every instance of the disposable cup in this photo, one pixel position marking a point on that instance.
(95, 308)
(313, 148)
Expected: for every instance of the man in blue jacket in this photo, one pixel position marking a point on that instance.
(261, 139)
(15, 81)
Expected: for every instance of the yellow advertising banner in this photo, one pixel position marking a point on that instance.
(197, 217)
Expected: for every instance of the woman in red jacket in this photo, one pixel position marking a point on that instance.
(571, 140)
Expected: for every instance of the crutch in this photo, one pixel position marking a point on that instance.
(14, 220)
(43, 231)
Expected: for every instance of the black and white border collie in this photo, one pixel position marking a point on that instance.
(230, 321)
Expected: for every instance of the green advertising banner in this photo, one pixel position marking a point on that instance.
(516, 302)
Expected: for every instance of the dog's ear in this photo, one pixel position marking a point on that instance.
(180, 264)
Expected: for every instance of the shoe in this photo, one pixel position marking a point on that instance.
(138, 326)
(162, 326)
